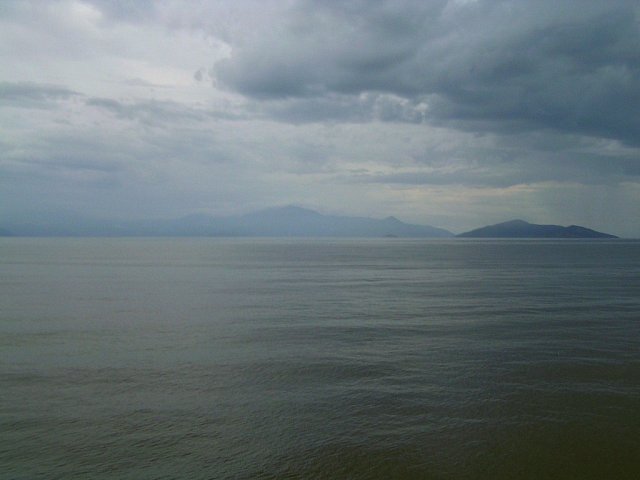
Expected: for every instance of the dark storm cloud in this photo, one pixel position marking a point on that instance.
(32, 95)
(499, 66)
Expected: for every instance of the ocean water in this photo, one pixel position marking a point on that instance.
(319, 359)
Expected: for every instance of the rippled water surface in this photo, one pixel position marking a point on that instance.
(336, 359)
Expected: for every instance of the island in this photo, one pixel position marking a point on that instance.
(522, 229)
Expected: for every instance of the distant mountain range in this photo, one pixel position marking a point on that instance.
(522, 229)
(287, 221)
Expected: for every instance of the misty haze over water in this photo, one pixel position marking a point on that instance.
(309, 358)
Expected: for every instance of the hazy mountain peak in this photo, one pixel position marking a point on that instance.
(286, 210)
(291, 220)
(515, 222)
(285, 221)
(197, 218)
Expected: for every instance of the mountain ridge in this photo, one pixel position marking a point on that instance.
(285, 221)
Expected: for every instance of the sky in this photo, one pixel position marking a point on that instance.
(453, 113)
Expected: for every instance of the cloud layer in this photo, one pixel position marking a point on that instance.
(455, 113)
(491, 66)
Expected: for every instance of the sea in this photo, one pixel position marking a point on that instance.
(209, 358)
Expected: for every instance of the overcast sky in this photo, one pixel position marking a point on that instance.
(452, 113)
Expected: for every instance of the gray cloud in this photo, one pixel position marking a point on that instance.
(570, 66)
(33, 95)
(149, 112)
(365, 107)
(530, 169)
(157, 112)
(126, 10)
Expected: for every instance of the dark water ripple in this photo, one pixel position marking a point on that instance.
(302, 359)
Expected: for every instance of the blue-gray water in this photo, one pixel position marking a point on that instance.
(328, 359)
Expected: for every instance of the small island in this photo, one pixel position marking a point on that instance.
(522, 229)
